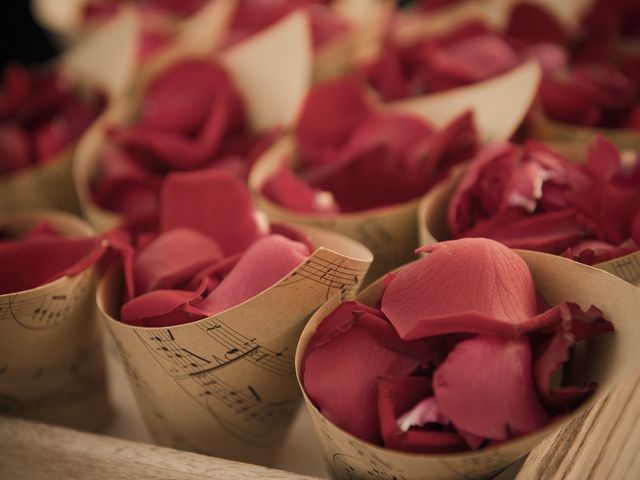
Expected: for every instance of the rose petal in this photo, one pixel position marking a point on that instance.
(212, 202)
(264, 263)
(340, 378)
(485, 386)
(172, 258)
(15, 152)
(434, 295)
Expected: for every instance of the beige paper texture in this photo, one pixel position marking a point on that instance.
(104, 62)
(546, 129)
(225, 385)
(499, 104)
(51, 360)
(432, 227)
(609, 359)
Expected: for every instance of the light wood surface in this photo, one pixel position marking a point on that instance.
(601, 444)
(34, 451)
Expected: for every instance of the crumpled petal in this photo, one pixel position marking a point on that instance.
(422, 300)
(485, 387)
(265, 262)
(172, 258)
(40, 259)
(408, 394)
(340, 377)
(213, 202)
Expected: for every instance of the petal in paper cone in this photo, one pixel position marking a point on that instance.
(34, 261)
(509, 407)
(402, 398)
(433, 296)
(173, 258)
(213, 202)
(265, 262)
(340, 377)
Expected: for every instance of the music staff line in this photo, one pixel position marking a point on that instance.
(189, 373)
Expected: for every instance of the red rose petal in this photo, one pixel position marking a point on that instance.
(400, 394)
(30, 262)
(265, 262)
(172, 258)
(433, 296)
(15, 151)
(213, 202)
(485, 386)
(340, 378)
(161, 308)
(531, 24)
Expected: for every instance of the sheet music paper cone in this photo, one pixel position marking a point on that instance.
(609, 360)
(391, 232)
(51, 360)
(101, 64)
(432, 228)
(225, 385)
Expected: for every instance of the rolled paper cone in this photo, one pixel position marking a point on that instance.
(545, 129)
(102, 64)
(63, 19)
(225, 385)
(51, 359)
(609, 360)
(433, 227)
(273, 90)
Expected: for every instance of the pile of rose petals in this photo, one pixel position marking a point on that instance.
(465, 354)
(191, 117)
(354, 156)
(40, 115)
(43, 255)
(533, 198)
(208, 253)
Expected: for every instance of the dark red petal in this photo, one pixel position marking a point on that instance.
(173, 258)
(213, 202)
(397, 395)
(530, 23)
(31, 262)
(264, 263)
(485, 386)
(161, 308)
(331, 111)
(340, 377)
(15, 152)
(459, 285)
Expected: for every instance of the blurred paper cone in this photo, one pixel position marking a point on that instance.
(103, 64)
(433, 227)
(51, 360)
(225, 385)
(609, 360)
(390, 232)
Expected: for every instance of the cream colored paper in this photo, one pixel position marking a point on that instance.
(104, 62)
(609, 360)
(51, 360)
(272, 69)
(225, 385)
(499, 104)
(548, 130)
(433, 227)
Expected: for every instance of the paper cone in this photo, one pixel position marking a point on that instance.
(609, 360)
(270, 103)
(103, 63)
(545, 129)
(51, 361)
(225, 385)
(391, 232)
(433, 227)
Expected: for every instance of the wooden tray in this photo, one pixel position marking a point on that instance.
(601, 444)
